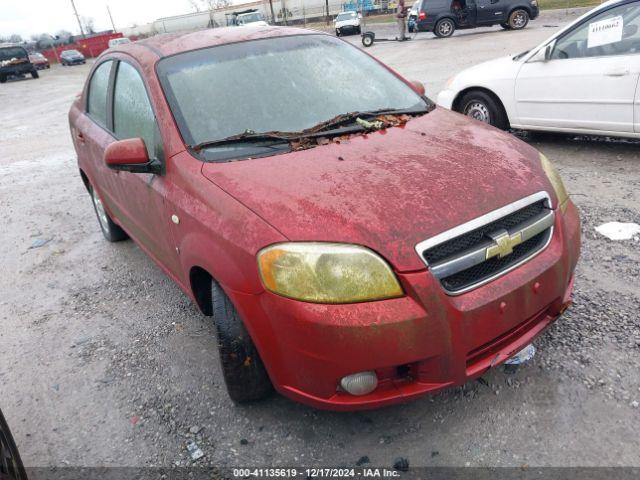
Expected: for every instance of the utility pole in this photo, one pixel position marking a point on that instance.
(53, 47)
(273, 17)
(326, 3)
(111, 18)
(78, 18)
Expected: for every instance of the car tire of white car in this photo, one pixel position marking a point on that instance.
(518, 19)
(483, 107)
(444, 28)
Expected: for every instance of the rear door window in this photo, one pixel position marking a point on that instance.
(97, 100)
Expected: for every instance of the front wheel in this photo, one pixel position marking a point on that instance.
(34, 74)
(518, 19)
(244, 373)
(444, 28)
(110, 230)
(483, 107)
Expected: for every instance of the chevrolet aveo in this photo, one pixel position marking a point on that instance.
(355, 245)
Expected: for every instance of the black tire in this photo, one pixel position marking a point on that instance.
(244, 373)
(3, 79)
(35, 74)
(505, 26)
(11, 466)
(111, 231)
(358, 30)
(48, 66)
(368, 38)
(518, 19)
(483, 107)
(444, 28)
(338, 33)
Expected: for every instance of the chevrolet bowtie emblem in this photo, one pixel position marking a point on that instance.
(504, 244)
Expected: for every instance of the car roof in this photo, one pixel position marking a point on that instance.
(167, 44)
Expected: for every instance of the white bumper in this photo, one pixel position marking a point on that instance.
(446, 97)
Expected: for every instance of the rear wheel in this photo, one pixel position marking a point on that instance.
(444, 28)
(243, 370)
(368, 38)
(483, 107)
(518, 19)
(110, 230)
(34, 74)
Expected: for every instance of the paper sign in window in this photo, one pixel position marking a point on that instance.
(605, 32)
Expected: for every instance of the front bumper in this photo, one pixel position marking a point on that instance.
(418, 344)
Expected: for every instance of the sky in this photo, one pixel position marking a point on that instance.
(27, 17)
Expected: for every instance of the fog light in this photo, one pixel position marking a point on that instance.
(359, 383)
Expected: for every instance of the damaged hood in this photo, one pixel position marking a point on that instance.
(390, 189)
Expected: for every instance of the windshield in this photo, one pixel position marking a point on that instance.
(249, 18)
(283, 84)
(12, 52)
(346, 16)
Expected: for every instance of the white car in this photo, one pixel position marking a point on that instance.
(347, 22)
(584, 79)
(118, 41)
(252, 18)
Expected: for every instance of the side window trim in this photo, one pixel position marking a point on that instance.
(110, 91)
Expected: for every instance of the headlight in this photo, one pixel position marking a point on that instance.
(449, 82)
(556, 182)
(326, 273)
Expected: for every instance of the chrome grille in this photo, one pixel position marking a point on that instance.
(478, 251)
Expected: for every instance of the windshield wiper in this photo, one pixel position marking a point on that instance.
(247, 136)
(335, 126)
(353, 116)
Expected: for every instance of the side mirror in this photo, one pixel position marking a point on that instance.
(418, 87)
(548, 50)
(130, 155)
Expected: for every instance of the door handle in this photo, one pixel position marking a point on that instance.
(621, 72)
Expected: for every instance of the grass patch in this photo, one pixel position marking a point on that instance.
(555, 4)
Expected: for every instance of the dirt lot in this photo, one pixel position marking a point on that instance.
(103, 361)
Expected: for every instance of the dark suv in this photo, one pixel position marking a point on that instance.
(442, 17)
(14, 62)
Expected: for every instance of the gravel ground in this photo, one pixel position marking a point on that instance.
(105, 362)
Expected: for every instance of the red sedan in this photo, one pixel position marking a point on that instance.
(355, 245)
(39, 60)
